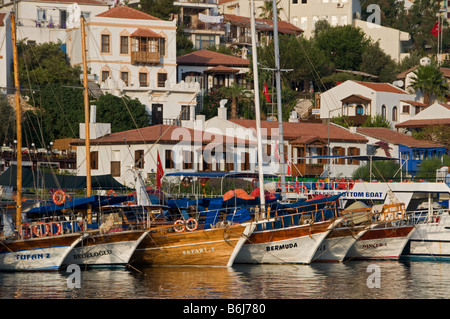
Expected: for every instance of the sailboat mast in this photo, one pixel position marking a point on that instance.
(279, 109)
(18, 123)
(257, 110)
(86, 110)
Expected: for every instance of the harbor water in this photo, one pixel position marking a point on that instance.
(404, 279)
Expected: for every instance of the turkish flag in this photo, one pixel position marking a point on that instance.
(266, 92)
(159, 172)
(436, 29)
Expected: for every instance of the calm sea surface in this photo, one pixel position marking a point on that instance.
(348, 280)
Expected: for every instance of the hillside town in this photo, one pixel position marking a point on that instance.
(199, 98)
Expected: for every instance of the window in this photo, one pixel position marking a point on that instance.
(383, 111)
(115, 168)
(294, 1)
(169, 160)
(353, 151)
(394, 114)
(360, 110)
(139, 158)
(124, 76)
(162, 46)
(41, 15)
(105, 43)
(245, 161)
(304, 1)
(94, 160)
(188, 160)
(185, 112)
(105, 75)
(143, 79)
(339, 151)
(162, 77)
(124, 45)
(405, 108)
(204, 41)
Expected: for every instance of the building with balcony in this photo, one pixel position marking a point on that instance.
(357, 100)
(201, 21)
(133, 53)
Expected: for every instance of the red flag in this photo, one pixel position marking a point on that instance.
(159, 172)
(266, 92)
(289, 166)
(436, 29)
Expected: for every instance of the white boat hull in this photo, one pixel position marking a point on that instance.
(381, 243)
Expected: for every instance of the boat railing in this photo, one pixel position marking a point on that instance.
(377, 214)
(38, 229)
(426, 216)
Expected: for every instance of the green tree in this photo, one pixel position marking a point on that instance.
(267, 10)
(376, 121)
(427, 169)
(429, 80)
(123, 113)
(438, 134)
(235, 92)
(376, 62)
(162, 9)
(381, 171)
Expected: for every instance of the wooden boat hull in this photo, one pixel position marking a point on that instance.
(335, 246)
(43, 253)
(381, 242)
(210, 247)
(295, 244)
(111, 249)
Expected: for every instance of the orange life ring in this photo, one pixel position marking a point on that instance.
(177, 224)
(343, 184)
(25, 230)
(190, 220)
(186, 181)
(58, 226)
(59, 197)
(302, 189)
(320, 184)
(351, 183)
(203, 181)
(38, 231)
(112, 193)
(255, 183)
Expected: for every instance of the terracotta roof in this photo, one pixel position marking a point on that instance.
(422, 123)
(415, 103)
(382, 87)
(222, 69)
(124, 12)
(164, 134)
(141, 32)
(206, 57)
(393, 137)
(294, 131)
(262, 24)
(402, 75)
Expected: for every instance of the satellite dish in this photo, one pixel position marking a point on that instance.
(74, 16)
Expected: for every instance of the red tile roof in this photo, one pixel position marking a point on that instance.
(423, 123)
(222, 69)
(141, 32)
(124, 12)
(393, 137)
(294, 131)
(206, 57)
(382, 87)
(163, 134)
(415, 103)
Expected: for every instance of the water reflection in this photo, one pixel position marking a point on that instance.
(399, 280)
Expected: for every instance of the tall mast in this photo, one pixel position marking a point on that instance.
(18, 124)
(86, 118)
(257, 109)
(279, 109)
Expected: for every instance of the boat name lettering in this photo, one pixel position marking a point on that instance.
(197, 251)
(352, 194)
(93, 254)
(375, 245)
(32, 256)
(281, 247)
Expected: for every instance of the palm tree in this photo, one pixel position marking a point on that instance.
(267, 10)
(429, 80)
(235, 92)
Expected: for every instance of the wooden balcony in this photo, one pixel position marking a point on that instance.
(145, 57)
(307, 169)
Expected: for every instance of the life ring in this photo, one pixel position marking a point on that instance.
(177, 225)
(255, 183)
(112, 193)
(351, 183)
(186, 181)
(343, 184)
(289, 188)
(59, 197)
(320, 184)
(81, 224)
(302, 189)
(58, 228)
(38, 231)
(203, 181)
(25, 230)
(279, 184)
(190, 220)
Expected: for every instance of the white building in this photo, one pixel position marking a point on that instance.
(132, 53)
(359, 100)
